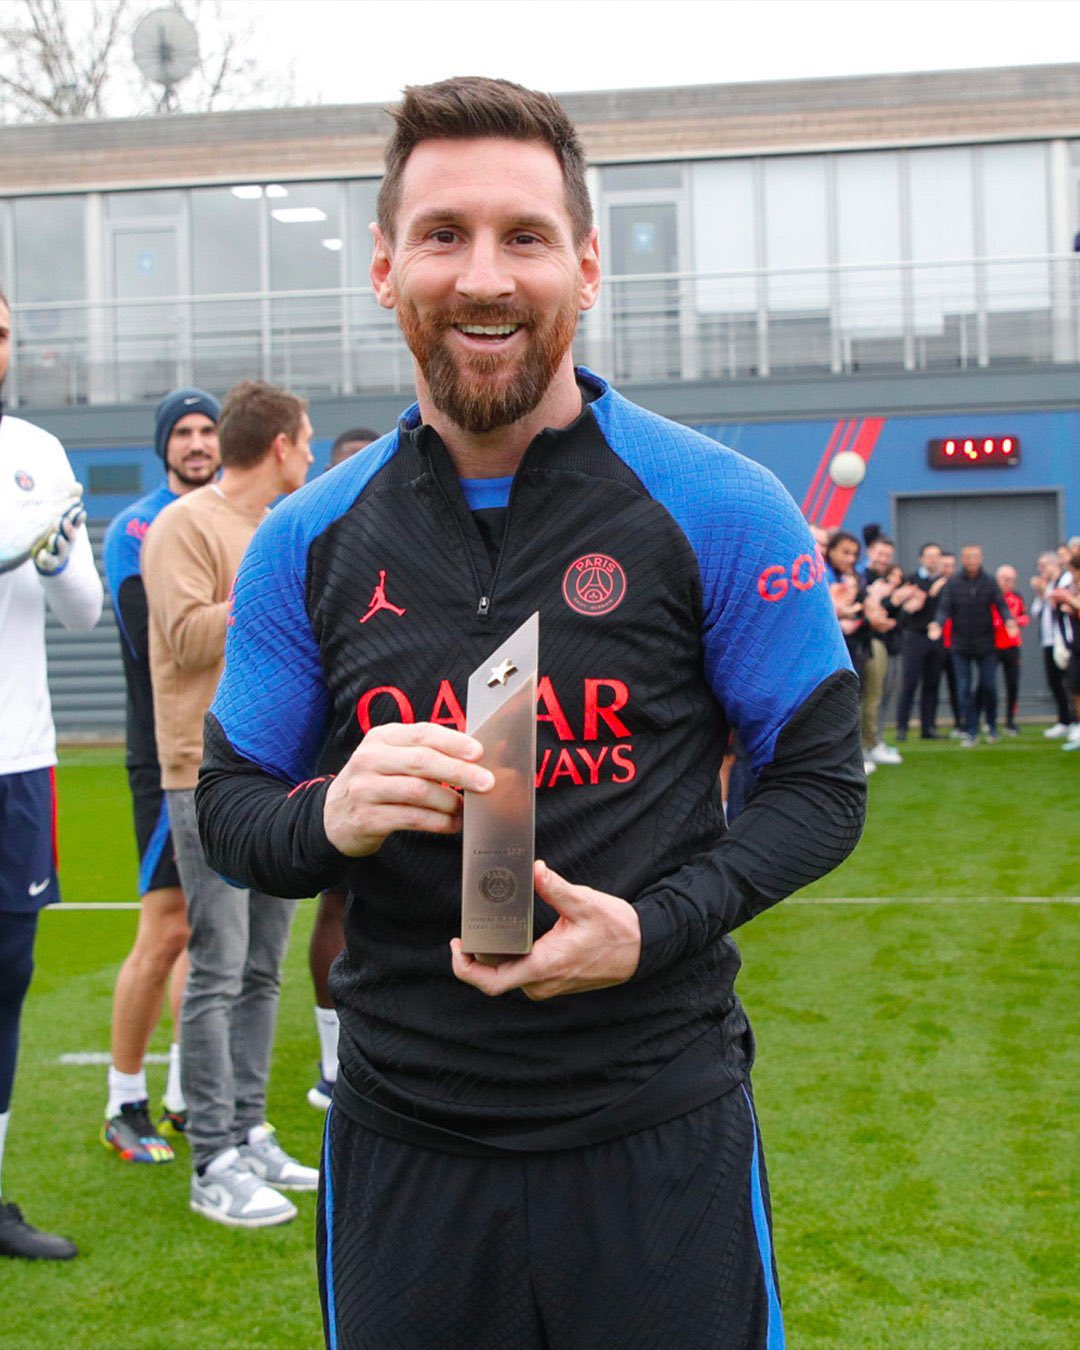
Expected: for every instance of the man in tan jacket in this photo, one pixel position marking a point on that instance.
(238, 937)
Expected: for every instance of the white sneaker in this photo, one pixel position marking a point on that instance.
(264, 1157)
(869, 766)
(1056, 731)
(231, 1194)
(885, 754)
(1074, 732)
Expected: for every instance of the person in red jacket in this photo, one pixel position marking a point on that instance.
(1008, 645)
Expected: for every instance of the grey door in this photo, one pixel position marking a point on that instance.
(1011, 527)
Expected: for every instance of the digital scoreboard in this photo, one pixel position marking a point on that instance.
(973, 452)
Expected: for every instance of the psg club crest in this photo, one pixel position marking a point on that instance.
(24, 481)
(594, 584)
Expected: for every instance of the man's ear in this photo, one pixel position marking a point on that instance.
(382, 269)
(280, 446)
(589, 264)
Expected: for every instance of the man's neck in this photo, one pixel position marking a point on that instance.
(251, 490)
(497, 454)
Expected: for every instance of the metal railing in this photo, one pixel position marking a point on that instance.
(955, 314)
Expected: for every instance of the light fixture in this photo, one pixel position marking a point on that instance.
(247, 192)
(276, 190)
(334, 245)
(298, 215)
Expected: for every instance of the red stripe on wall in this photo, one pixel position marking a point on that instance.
(828, 487)
(867, 438)
(823, 464)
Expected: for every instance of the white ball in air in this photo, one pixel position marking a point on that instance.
(847, 469)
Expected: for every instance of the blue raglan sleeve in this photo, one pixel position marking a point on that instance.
(775, 659)
(259, 801)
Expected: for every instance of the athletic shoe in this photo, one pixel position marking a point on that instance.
(1011, 731)
(172, 1122)
(19, 1238)
(885, 754)
(1055, 732)
(869, 767)
(1071, 744)
(966, 742)
(991, 738)
(264, 1157)
(235, 1196)
(956, 734)
(132, 1136)
(1074, 733)
(931, 735)
(321, 1095)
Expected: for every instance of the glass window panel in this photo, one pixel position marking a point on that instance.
(1016, 223)
(303, 227)
(135, 205)
(49, 249)
(868, 233)
(723, 223)
(362, 198)
(636, 177)
(224, 241)
(796, 232)
(942, 214)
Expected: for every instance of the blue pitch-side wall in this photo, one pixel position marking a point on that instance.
(1050, 458)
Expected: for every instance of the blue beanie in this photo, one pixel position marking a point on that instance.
(178, 404)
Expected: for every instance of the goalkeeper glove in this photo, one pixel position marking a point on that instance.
(51, 555)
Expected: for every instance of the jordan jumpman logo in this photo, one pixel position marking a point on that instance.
(379, 600)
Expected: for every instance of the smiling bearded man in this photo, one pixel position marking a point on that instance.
(560, 1151)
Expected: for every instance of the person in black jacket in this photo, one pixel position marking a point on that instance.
(922, 657)
(969, 600)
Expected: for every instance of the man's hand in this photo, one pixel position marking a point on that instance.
(1012, 628)
(402, 777)
(595, 943)
(933, 631)
(51, 554)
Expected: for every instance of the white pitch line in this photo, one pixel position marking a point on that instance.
(83, 1057)
(934, 900)
(93, 904)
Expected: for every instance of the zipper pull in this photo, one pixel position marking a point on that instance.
(484, 605)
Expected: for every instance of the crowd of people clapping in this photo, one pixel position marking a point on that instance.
(950, 622)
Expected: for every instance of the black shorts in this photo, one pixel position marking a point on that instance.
(157, 857)
(28, 879)
(654, 1240)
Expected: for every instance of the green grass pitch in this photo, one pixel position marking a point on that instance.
(918, 1084)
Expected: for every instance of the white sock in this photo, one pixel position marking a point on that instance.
(5, 1116)
(124, 1087)
(174, 1096)
(326, 1020)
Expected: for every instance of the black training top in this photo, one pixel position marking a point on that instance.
(680, 593)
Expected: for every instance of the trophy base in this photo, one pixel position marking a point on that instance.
(493, 958)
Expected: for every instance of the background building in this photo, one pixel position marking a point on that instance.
(796, 267)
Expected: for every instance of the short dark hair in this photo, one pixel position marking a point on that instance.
(880, 539)
(472, 107)
(363, 435)
(254, 415)
(932, 544)
(840, 537)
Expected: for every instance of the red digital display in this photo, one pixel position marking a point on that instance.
(973, 452)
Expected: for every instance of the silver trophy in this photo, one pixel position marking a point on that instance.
(500, 826)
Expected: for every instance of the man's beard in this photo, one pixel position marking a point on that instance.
(472, 389)
(188, 480)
